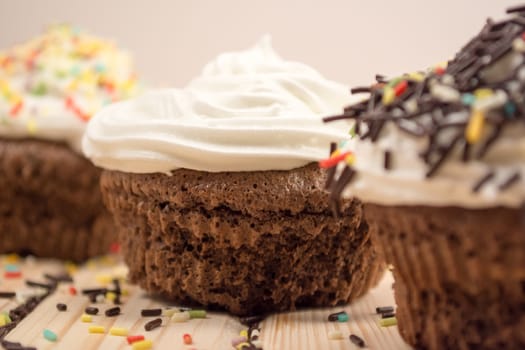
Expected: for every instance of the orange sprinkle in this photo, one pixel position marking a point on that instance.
(332, 161)
(16, 108)
(72, 290)
(13, 274)
(400, 88)
(439, 70)
(187, 339)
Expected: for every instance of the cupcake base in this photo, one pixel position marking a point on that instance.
(459, 274)
(246, 242)
(50, 202)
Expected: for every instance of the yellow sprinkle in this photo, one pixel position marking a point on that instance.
(387, 322)
(103, 278)
(388, 95)
(122, 332)
(350, 159)
(142, 345)
(416, 76)
(31, 126)
(96, 329)
(242, 345)
(111, 296)
(86, 318)
(71, 268)
(12, 258)
(483, 93)
(244, 333)
(124, 292)
(475, 127)
(335, 153)
(3, 321)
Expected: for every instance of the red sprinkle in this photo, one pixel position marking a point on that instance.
(187, 339)
(16, 108)
(439, 70)
(13, 274)
(400, 88)
(333, 161)
(72, 290)
(114, 248)
(523, 35)
(134, 338)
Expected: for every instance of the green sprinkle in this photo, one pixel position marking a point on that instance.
(468, 99)
(342, 317)
(197, 313)
(510, 109)
(394, 81)
(352, 132)
(39, 90)
(50, 335)
(387, 322)
(60, 74)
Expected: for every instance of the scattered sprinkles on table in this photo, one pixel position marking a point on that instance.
(461, 108)
(62, 72)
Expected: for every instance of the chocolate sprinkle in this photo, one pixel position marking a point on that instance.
(510, 181)
(91, 310)
(7, 295)
(114, 311)
(61, 307)
(483, 181)
(150, 312)
(388, 314)
(384, 309)
(440, 107)
(153, 324)
(331, 171)
(387, 160)
(357, 340)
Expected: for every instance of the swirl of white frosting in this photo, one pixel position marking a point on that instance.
(51, 85)
(405, 183)
(248, 111)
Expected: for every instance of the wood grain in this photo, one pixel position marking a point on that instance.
(305, 329)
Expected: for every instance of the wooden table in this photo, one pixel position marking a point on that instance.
(305, 329)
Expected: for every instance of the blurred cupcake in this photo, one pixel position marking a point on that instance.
(49, 193)
(440, 166)
(217, 193)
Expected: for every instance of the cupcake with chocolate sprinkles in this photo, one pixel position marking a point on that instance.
(217, 194)
(440, 164)
(50, 202)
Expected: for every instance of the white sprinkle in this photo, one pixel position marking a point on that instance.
(518, 45)
(335, 335)
(445, 93)
(100, 298)
(498, 99)
(257, 343)
(447, 79)
(180, 316)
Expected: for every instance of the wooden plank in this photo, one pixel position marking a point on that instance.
(303, 329)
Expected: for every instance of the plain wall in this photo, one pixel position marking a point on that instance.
(346, 40)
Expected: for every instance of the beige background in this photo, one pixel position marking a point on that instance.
(347, 40)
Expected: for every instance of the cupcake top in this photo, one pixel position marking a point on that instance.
(247, 111)
(454, 136)
(52, 85)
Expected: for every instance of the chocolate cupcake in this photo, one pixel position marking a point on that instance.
(217, 194)
(49, 193)
(440, 166)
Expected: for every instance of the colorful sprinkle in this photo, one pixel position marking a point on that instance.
(97, 329)
(180, 316)
(197, 313)
(86, 318)
(50, 335)
(61, 307)
(118, 331)
(387, 322)
(151, 325)
(186, 339)
(357, 341)
(142, 345)
(112, 312)
(150, 312)
(134, 338)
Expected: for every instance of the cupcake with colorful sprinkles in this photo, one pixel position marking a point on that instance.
(217, 193)
(50, 202)
(439, 161)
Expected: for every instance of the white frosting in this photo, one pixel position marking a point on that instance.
(248, 111)
(405, 183)
(66, 64)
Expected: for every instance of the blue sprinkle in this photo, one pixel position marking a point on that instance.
(100, 68)
(510, 109)
(468, 99)
(12, 268)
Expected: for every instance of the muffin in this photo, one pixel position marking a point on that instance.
(216, 191)
(50, 202)
(440, 167)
